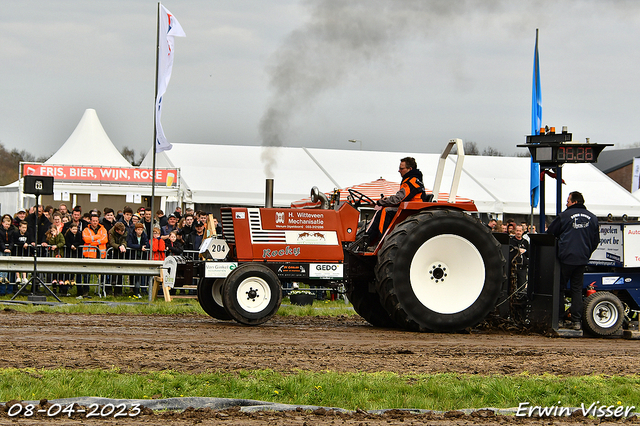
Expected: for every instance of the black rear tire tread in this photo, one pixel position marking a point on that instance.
(369, 307)
(207, 301)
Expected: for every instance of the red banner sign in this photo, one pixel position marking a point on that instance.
(120, 175)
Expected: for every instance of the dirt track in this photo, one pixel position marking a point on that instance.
(197, 343)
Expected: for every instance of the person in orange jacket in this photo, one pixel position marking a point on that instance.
(157, 245)
(411, 189)
(95, 240)
(95, 235)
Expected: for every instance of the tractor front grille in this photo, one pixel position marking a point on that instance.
(227, 226)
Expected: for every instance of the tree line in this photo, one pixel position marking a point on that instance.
(10, 161)
(471, 148)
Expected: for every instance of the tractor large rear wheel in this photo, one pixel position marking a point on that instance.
(440, 270)
(368, 306)
(210, 298)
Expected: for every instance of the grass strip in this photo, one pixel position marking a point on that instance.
(346, 390)
(177, 307)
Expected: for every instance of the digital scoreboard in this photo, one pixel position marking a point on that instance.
(552, 150)
(566, 153)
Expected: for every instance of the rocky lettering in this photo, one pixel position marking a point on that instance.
(287, 251)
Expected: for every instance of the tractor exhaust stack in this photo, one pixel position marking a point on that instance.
(268, 196)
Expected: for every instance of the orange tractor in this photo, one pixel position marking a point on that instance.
(436, 268)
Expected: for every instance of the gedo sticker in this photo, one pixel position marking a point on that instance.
(326, 270)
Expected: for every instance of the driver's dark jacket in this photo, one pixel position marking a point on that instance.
(578, 234)
(411, 189)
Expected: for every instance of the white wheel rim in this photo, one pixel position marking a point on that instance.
(216, 291)
(605, 314)
(447, 274)
(253, 294)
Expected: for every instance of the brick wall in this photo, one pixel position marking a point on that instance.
(623, 176)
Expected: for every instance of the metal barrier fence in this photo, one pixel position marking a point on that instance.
(116, 272)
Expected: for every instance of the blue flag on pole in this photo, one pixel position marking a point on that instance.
(536, 123)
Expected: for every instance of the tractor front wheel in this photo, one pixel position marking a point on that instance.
(252, 294)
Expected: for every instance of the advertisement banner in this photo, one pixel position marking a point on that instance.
(309, 220)
(632, 245)
(609, 251)
(102, 175)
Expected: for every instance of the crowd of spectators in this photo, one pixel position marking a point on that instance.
(518, 249)
(124, 234)
(509, 227)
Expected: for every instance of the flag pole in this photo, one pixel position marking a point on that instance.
(537, 188)
(155, 130)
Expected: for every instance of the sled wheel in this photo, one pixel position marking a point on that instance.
(603, 313)
(440, 270)
(210, 298)
(252, 294)
(369, 307)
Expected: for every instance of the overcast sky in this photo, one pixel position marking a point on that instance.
(398, 75)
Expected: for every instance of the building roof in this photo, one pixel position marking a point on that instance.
(89, 145)
(610, 160)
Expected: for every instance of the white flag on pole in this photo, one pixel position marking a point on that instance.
(635, 178)
(168, 27)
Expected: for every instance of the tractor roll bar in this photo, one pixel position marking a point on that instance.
(456, 174)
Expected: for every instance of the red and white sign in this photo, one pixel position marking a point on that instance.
(298, 219)
(121, 175)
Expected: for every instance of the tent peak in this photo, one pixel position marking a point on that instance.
(89, 142)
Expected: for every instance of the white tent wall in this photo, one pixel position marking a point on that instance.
(9, 199)
(235, 175)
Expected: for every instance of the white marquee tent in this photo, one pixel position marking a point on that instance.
(235, 175)
(88, 146)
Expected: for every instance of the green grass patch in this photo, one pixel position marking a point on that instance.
(319, 308)
(160, 307)
(346, 390)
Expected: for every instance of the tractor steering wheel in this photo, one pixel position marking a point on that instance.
(355, 198)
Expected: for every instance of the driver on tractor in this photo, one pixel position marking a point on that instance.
(411, 189)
